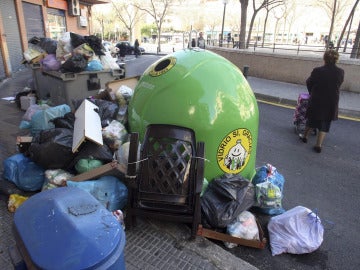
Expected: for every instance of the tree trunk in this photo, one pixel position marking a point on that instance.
(348, 34)
(244, 5)
(355, 52)
(158, 37)
(265, 23)
(250, 28)
(331, 25)
(276, 29)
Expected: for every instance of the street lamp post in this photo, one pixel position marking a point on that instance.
(223, 21)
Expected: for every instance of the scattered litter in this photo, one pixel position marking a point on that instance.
(15, 200)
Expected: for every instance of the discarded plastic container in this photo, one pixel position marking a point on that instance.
(67, 228)
(201, 90)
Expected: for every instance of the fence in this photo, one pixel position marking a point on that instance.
(296, 49)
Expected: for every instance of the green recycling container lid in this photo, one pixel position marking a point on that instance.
(201, 90)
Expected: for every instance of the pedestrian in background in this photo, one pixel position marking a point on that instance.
(121, 50)
(136, 48)
(201, 41)
(324, 89)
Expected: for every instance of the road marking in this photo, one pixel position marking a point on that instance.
(293, 108)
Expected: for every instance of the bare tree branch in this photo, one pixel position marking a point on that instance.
(268, 9)
(351, 15)
(127, 14)
(264, 4)
(158, 9)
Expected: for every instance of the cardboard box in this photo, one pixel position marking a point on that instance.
(113, 86)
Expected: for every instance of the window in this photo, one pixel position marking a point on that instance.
(56, 22)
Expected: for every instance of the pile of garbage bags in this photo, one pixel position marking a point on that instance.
(47, 161)
(71, 53)
(229, 202)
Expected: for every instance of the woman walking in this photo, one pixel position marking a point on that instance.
(324, 88)
(136, 48)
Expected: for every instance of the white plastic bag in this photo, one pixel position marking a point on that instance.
(115, 133)
(33, 109)
(244, 226)
(123, 96)
(108, 61)
(297, 231)
(64, 48)
(55, 178)
(123, 154)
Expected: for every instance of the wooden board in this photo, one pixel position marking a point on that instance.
(208, 233)
(111, 168)
(130, 82)
(87, 125)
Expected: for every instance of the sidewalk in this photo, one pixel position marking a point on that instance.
(287, 94)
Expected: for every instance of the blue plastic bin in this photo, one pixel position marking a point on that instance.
(67, 228)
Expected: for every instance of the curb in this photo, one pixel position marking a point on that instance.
(343, 113)
(202, 247)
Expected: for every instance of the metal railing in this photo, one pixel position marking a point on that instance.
(278, 48)
(296, 49)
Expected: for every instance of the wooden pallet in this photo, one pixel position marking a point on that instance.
(208, 233)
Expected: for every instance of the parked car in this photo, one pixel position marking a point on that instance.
(130, 48)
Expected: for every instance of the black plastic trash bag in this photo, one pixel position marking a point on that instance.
(66, 121)
(93, 41)
(96, 44)
(75, 64)
(224, 199)
(76, 39)
(108, 110)
(90, 149)
(47, 44)
(52, 148)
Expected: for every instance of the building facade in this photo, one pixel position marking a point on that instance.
(20, 20)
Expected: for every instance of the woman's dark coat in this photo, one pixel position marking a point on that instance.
(324, 88)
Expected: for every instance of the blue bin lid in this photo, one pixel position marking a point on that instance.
(67, 228)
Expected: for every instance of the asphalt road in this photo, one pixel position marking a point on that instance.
(327, 182)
